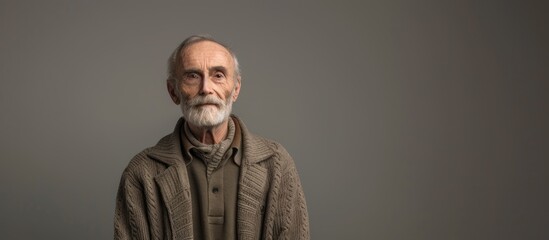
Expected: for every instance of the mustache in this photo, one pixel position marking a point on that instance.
(201, 100)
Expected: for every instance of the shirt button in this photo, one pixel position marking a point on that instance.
(215, 190)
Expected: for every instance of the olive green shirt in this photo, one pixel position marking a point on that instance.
(213, 178)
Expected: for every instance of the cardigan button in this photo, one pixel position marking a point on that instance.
(215, 190)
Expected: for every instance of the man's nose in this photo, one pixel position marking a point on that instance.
(206, 87)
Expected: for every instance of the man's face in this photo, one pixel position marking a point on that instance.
(207, 85)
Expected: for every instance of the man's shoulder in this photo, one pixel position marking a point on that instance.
(145, 161)
(274, 145)
(140, 163)
(274, 149)
(261, 146)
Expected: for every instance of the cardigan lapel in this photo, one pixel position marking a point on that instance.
(251, 200)
(173, 183)
(176, 195)
(253, 184)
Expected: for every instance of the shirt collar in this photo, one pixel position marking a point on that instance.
(235, 145)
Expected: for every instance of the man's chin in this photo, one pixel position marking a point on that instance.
(205, 119)
(207, 124)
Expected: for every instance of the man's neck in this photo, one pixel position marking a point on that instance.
(210, 135)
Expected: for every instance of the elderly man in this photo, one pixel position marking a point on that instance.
(211, 178)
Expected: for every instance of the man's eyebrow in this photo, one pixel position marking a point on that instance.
(191, 70)
(218, 68)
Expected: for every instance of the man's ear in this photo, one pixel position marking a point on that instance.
(172, 91)
(236, 88)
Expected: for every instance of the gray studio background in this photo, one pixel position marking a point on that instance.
(407, 119)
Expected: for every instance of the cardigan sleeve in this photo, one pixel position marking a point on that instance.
(130, 220)
(293, 216)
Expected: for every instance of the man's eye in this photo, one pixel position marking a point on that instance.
(192, 75)
(219, 75)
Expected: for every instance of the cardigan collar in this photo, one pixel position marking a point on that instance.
(175, 190)
(168, 150)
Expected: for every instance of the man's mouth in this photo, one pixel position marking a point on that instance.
(206, 104)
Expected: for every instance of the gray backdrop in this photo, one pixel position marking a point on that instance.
(407, 119)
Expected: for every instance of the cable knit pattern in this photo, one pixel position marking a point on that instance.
(154, 201)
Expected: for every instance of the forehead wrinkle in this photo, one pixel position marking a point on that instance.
(206, 56)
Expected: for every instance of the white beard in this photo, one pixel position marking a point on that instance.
(206, 116)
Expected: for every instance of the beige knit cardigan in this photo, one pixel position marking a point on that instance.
(154, 202)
